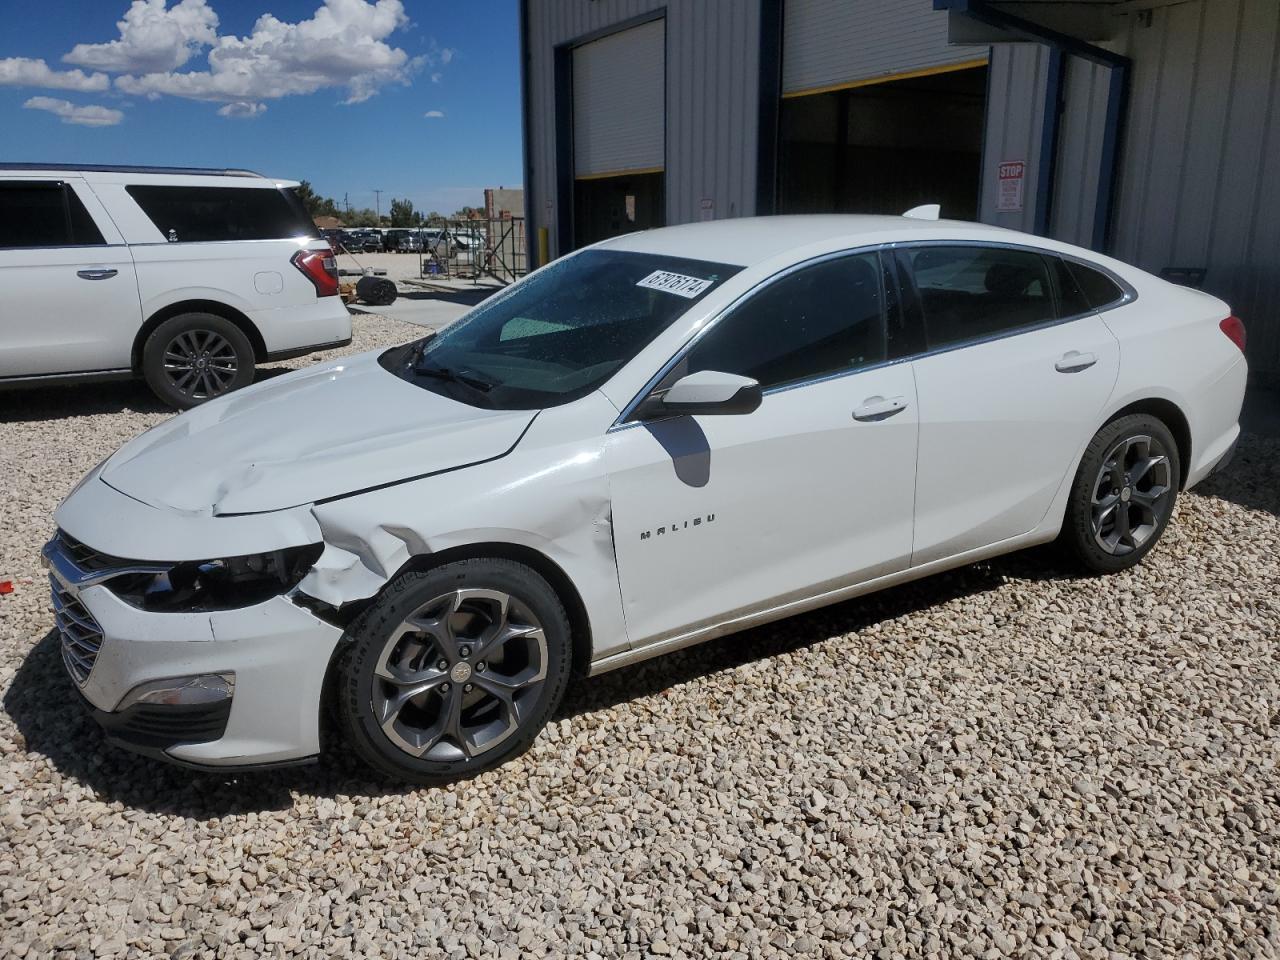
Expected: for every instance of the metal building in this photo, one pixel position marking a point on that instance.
(1149, 129)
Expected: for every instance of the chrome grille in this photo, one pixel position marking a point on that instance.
(81, 635)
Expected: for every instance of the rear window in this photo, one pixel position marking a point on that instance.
(44, 214)
(204, 214)
(1099, 289)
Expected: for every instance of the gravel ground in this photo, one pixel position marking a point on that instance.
(1003, 760)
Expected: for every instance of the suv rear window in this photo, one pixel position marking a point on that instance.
(203, 214)
(44, 214)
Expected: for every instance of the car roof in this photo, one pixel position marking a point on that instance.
(746, 241)
(130, 174)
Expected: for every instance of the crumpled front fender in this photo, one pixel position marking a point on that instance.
(550, 495)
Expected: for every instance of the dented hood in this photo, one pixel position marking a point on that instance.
(310, 435)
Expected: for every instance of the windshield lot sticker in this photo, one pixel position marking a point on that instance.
(679, 284)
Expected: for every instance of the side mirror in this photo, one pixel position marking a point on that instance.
(707, 392)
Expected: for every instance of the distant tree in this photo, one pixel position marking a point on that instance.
(468, 213)
(435, 218)
(402, 213)
(317, 206)
(361, 218)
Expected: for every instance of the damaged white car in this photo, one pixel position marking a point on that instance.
(660, 439)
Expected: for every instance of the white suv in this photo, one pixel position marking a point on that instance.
(185, 277)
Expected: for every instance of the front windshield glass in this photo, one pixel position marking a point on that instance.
(560, 334)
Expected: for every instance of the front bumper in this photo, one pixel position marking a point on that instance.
(278, 652)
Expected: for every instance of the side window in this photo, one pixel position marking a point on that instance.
(968, 293)
(1071, 299)
(203, 214)
(44, 214)
(1099, 289)
(819, 320)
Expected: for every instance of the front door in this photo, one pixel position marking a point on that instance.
(70, 295)
(715, 517)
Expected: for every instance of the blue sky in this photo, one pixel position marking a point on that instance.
(274, 95)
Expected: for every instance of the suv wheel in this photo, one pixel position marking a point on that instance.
(454, 671)
(194, 357)
(1123, 495)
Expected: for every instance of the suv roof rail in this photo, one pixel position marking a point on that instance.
(125, 168)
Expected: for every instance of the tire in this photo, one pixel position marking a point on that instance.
(455, 726)
(1123, 494)
(216, 358)
(376, 291)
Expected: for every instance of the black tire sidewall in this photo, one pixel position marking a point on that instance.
(1077, 528)
(367, 636)
(159, 339)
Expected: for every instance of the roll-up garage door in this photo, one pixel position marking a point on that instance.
(828, 44)
(619, 96)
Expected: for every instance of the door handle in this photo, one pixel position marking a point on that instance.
(1073, 362)
(97, 273)
(879, 408)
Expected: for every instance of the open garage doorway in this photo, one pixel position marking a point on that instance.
(885, 146)
(605, 207)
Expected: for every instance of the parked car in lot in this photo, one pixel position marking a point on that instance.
(401, 240)
(364, 241)
(334, 237)
(188, 278)
(438, 241)
(632, 450)
(410, 243)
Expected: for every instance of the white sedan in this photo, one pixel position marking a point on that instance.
(663, 438)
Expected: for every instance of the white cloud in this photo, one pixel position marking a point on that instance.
(153, 39)
(23, 72)
(437, 77)
(242, 108)
(446, 55)
(434, 114)
(342, 45)
(89, 116)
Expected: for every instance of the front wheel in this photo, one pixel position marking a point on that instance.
(1123, 495)
(454, 671)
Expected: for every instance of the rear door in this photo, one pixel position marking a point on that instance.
(1015, 373)
(68, 292)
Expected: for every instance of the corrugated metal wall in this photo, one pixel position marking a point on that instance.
(712, 107)
(1201, 179)
(1200, 164)
(619, 113)
(831, 42)
(1075, 194)
(1015, 113)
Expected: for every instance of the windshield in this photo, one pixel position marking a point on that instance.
(560, 334)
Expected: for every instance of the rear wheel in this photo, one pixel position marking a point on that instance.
(1123, 495)
(194, 357)
(454, 671)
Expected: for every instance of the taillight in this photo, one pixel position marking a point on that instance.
(1233, 327)
(319, 267)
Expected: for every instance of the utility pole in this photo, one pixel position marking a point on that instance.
(377, 202)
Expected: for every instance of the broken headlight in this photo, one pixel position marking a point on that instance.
(220, 584)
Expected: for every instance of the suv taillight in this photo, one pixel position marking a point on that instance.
(1233, 327)
(319, 267)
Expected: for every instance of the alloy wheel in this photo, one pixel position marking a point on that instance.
(200, 364)
(1132, 494)
(458, 676)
